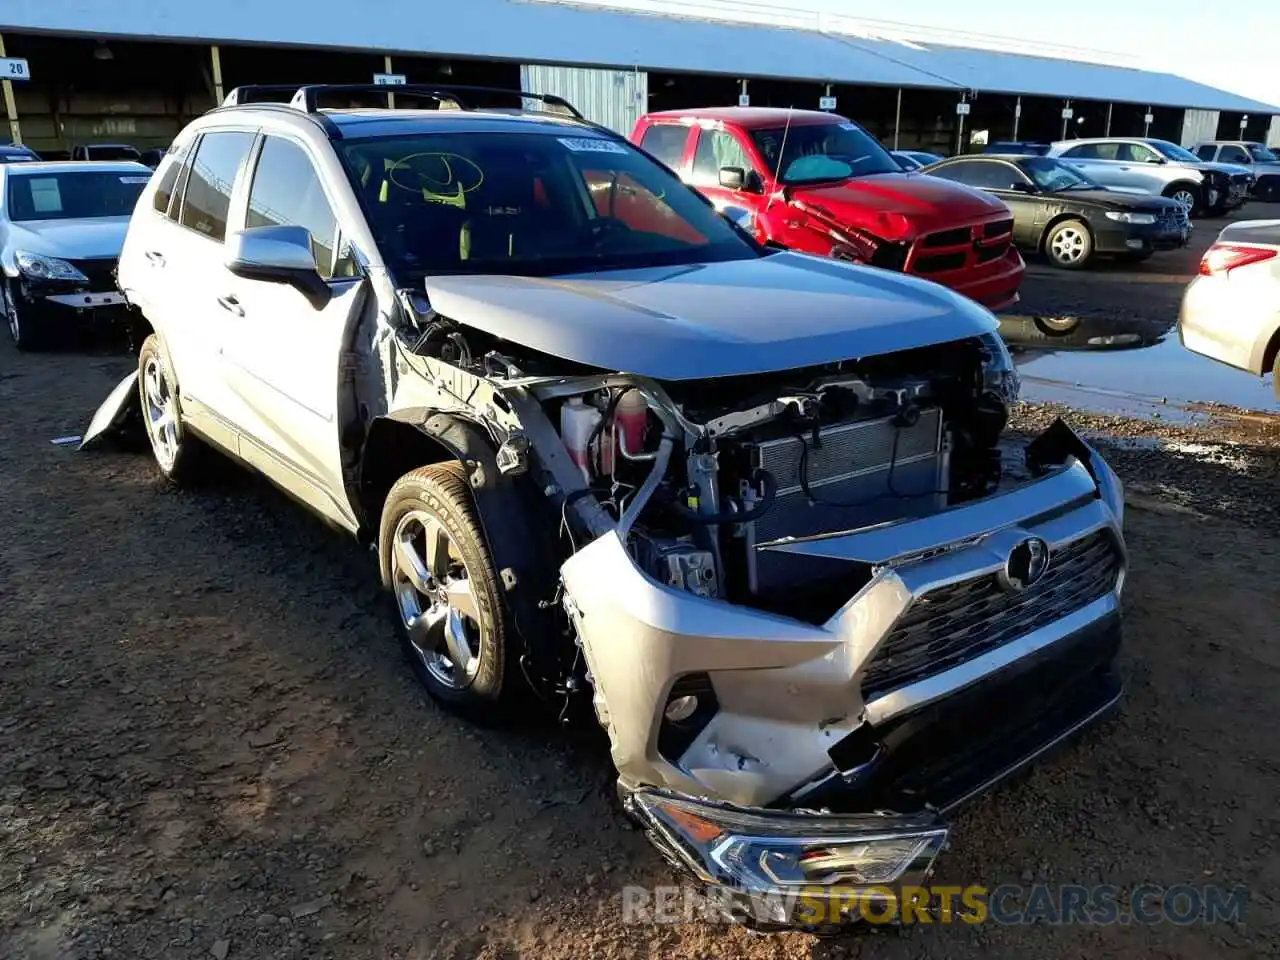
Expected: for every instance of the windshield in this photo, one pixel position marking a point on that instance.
(820, 152)
(531, 204)
(68, 195)
(1261, 154)
(1052, 175)
(112, 151)
(1173, 151)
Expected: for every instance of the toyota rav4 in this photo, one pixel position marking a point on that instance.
(750, 505)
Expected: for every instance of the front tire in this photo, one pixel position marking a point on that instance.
(1069, 245)
(451, 617)
(177, 453)
(1187, 196)
(25, 336)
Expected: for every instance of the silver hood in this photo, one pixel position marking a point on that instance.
(778, 312)
(68, 239)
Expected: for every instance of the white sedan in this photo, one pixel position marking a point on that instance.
(1231, 311)
(62, 225)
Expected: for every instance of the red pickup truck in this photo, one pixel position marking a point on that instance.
(820, 183)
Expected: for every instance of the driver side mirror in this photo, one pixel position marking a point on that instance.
(278, 254)
(1021, 186)
(733, 178)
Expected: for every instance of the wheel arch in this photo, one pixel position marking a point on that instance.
(509, 510)
(1270, 355)
(1196, 188)
(1062, 217)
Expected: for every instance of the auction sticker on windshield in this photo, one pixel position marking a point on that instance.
(135, 179)
(591, 145)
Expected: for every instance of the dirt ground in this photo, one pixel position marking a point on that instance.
(211, 745)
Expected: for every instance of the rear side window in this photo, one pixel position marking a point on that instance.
(984, 174)
(207, 199)
(1092, 151)
(1206, 151)
(666, 142)
(286, 191)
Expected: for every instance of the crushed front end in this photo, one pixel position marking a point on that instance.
(826, 616)
(56, 294)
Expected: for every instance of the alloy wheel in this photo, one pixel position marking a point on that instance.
(1185, 199)
(162, 413)
(434, 596)
(1069, 245)
(11, 314)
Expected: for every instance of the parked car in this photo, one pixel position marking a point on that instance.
(746, 502)
(819, 183)
(915, 159)
(17, 153)
(106, 151)
(151, 157)
(1010, 147)
(1159, 168)
(1231, 310)
(1060, 212)
(1264, 163)
(61, 229)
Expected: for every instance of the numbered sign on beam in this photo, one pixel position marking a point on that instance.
(14, 68)
(389, 79)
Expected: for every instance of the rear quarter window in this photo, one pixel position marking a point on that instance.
(666, 141)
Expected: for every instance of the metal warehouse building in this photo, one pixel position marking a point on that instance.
(137, 70)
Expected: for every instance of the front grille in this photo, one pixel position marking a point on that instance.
(993, 252)
(997, 228)
(937, 262)
(947, 238)
(101, 272)
(954, 624)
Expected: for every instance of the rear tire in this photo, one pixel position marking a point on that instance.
(450, 611)
(1069, 245)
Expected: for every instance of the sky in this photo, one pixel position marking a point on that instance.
(1233, 47)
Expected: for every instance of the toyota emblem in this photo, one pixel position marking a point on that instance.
(1028, 561)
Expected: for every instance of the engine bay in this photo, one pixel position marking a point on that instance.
(705, 475)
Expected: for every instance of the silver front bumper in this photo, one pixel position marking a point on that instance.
(787, 691)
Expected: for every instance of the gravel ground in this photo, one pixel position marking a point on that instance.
(213, 748)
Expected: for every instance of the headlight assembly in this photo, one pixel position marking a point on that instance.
(1124, 217)
(39, 267)
(781, 854)
(998, 372)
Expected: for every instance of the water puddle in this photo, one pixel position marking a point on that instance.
(1132, 368)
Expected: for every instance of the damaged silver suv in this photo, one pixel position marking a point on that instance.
(749, 504)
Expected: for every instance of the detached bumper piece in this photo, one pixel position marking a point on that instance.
(776, 870)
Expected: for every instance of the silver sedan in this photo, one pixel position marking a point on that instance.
(1231, 311)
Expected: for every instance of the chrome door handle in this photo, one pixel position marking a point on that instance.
(156, 257)
(229, 302)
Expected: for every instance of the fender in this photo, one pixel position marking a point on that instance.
(508, 508)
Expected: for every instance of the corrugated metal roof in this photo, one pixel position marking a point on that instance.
(537, 32)
(997, 72)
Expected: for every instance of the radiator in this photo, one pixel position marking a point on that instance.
(858, 474)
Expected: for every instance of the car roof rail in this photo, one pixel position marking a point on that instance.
(258, 93)
(307, 97)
